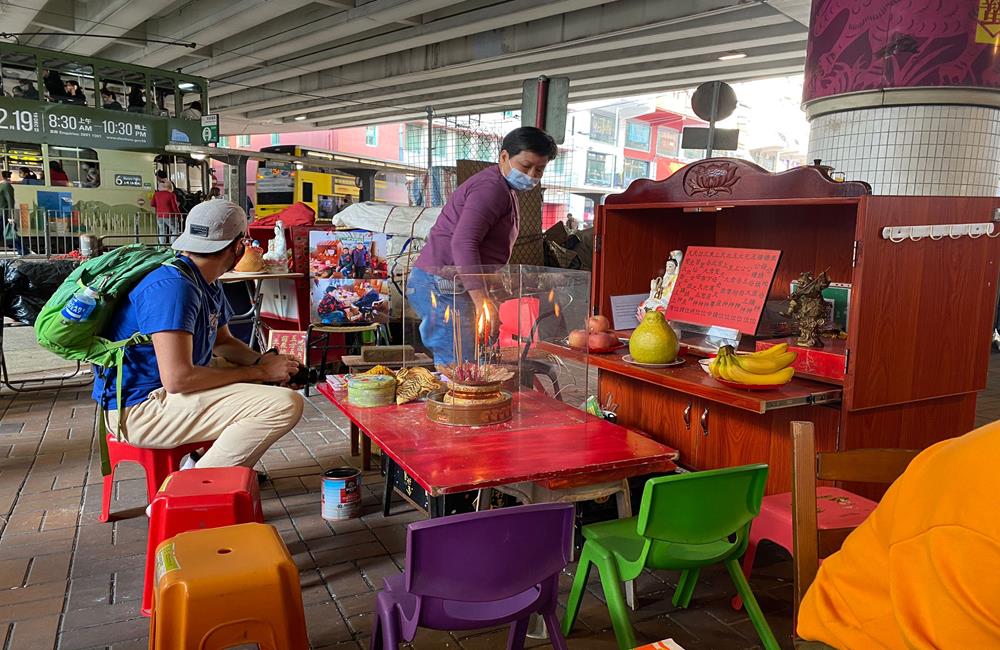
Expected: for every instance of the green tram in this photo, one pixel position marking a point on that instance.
(83, 138)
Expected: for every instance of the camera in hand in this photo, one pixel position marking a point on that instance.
(306, 376)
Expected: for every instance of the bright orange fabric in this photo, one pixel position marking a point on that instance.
(923, 571)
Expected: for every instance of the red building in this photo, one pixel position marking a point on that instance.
(653, 144)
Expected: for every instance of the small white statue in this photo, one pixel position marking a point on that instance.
(276, 257)
(661, 288)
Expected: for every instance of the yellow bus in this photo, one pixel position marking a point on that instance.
(322, 179)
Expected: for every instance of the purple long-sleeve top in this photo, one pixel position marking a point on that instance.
(477, 227)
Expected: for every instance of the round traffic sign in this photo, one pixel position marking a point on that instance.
(701, 101)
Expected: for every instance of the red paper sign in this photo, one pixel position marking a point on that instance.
(290, 342)
(723, 287)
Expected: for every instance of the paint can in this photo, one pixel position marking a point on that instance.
(341, 493)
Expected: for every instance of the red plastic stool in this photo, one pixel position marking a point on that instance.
(158, 463)
(195, 499)
(835, 508)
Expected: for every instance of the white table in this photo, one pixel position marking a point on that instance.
(253, 316)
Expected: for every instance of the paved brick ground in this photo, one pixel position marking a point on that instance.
(70, 582)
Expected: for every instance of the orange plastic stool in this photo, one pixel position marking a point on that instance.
(158, 464)
(224, 587)
(196, 499)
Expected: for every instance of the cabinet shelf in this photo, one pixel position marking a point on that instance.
(692, 380)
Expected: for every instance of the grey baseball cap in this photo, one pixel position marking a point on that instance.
(211, 226)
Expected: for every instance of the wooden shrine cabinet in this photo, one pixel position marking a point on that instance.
(919, 323)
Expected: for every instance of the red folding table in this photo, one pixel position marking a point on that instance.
(547, 441)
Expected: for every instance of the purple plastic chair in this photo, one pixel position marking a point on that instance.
(478, 570)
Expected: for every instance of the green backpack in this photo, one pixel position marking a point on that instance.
(112, 276)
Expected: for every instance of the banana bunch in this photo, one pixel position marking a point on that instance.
(770, 367)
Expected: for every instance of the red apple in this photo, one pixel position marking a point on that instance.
(603, 340)
(578, 339)
(597, 324)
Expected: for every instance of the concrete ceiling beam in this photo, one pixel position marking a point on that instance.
(519, 45)
(754, 42)
(270, 46)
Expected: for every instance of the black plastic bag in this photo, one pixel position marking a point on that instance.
(26, 285)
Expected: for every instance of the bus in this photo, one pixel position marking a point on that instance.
(324, 179)
(83, 138)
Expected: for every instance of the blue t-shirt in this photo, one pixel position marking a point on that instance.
(166, 300)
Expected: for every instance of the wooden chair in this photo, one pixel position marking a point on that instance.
(859, 465)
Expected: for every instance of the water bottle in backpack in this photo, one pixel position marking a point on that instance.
(81, 305)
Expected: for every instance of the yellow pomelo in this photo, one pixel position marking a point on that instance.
(654, 341)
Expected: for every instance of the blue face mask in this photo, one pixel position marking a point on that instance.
(521, 181)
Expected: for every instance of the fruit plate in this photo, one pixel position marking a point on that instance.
(678, 362)
(618, 346)
(751, 387)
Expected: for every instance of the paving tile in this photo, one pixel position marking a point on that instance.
(103, 635)
(325, 625)
(34, 633)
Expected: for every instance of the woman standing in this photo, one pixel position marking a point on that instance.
(477, 228)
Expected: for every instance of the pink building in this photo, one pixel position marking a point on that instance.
(382, 142)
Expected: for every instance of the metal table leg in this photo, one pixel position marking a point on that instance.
(390, 468)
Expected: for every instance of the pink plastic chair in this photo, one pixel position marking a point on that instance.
(835, 508)
(517, 317)
(158, 463)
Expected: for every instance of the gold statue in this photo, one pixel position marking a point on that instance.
(809, 309)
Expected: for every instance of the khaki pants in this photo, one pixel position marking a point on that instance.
(243, 420)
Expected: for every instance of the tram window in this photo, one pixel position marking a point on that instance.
(307, 192)
(74, 167)
(23, 161)
(136, 98)
(191, 100)
(116, 85)
(164, 93)
(68, 82)
(17, 75)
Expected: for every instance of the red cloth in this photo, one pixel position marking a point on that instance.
(165, 204)
(57, 177)
(297, 214)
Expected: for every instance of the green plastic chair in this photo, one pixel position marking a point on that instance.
(685, 522)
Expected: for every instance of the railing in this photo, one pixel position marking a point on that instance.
(48, 233)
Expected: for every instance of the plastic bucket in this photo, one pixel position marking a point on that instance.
(341, 493)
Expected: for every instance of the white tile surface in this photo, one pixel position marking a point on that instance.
(913, 150)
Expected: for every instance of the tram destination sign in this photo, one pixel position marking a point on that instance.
(80, 126)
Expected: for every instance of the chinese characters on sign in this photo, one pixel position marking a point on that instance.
(723, 287)
(83, 126)
(290, 342)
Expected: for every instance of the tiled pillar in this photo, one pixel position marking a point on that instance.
(905, 95)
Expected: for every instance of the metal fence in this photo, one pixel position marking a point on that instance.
(48, 233)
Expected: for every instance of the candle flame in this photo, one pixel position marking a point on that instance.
(552, 295)
(447, 313)
(557, 310)
(481, 325)
(434, 300)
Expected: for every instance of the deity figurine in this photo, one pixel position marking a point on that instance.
(661, 288)
(810, 311)
(276, 257)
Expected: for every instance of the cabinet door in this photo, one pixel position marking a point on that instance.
(664, 415)
(726, 436)
(921, 312)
